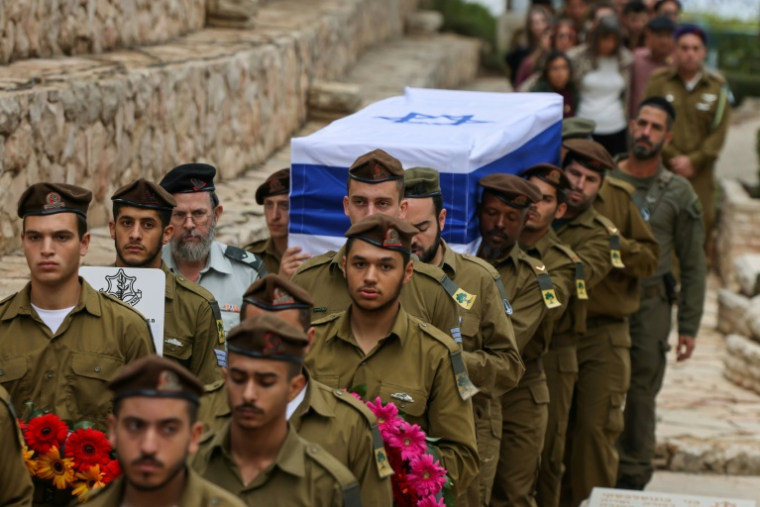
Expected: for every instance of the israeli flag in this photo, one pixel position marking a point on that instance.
(463, 135)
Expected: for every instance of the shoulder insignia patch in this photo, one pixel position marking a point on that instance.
(327, 319)
(465, 386)
(248, 258)
(219, 322)
(615, 255)
(547, 287)
(695, 208)
(384, 468)
(462, 298)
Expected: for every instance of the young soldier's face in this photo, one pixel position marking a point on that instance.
(542, 214)
(366, 199)
(138, 236)
(421, 214)
(52, 247)
(374, 275)
(584, 186)
(690, 53)
(277, 215)
(152, 438)
(500, 224)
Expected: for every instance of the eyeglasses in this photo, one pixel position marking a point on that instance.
(199, 217)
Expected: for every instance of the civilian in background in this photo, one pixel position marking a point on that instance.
(525, 41)
(657, 54)
(635, 18)
(669, 8)
(534, 61)
(601, 69)
(599, 10)
(565, 36)
(577, 11)
(557, 77)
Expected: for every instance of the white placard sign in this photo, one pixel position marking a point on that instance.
(603, 497)
(142, 288)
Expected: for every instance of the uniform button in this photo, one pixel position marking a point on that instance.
(2, 372)
(424, 325)
(97, 369)
(364, 363)
(313, 449)
(49, 374)
(338, 393)
(47, 410)
(214, 501)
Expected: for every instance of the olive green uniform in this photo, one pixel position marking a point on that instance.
(423, 297)
(197, 493)
(590, 240)
(525, 408)
(303, 474)
(604, 364)
(418, 368)
(675, 216)
(66, 373)
(265, 250)
(699, 131)
(17, 489)
(491, 355)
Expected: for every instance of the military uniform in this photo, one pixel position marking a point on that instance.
(673, 211)
(66, 373)
(264, 249)
(303, 474)
(703, 118)
(17, 488)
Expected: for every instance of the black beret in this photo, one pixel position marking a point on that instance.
(189, 178)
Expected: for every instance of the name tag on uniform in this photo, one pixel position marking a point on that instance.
(709, 97)
(703, 107)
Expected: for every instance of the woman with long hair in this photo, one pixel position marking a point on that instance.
(525, 41)
(557, 77)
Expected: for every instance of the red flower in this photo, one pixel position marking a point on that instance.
(21, 425)
(88, 447)
(44, 432)
(111, 471)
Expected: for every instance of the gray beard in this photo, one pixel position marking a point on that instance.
(194, 252)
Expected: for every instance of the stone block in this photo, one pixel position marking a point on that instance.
(742, 354)
(747, 272)
(334, 97)
(732, 312)
(231, 13)
(423, 22)
(734, 237)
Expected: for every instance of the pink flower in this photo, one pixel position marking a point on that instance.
(355, 395)
(426, 476)
(430, 501)
(387, 417)
(410, 439)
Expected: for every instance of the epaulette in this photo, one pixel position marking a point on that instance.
(256, 246)
(314, 262)
(247, 258)
(341, 474)
(326, 320)
(8, 298)
(483, 264)
(460, 296)
(717, 76)
(548, 295)
(496, 278)
(5, 399)
(580, 272)
(464, 385)
(618, 183)
(384, 468)
(193, 287)
(219, 330)
(615, 257)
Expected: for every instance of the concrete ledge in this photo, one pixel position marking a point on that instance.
(737, 230)
(742, 362)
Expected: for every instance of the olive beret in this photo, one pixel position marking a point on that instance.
(144, 194)
(511, 190)
(278, 183)
(156, 377)
(376, 167)
(274, 293)
(268, 337)
(189, 178)
(50, 198)
(385, 232)
(422, 182)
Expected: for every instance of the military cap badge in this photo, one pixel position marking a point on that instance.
(54, 201)
(520, 200)
(281, 297)
(392, 238)
(168, 382)
(380, 172)
(197, 184)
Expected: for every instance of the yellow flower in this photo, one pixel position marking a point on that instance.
(31, 464)
(60, 471)
(89, 480)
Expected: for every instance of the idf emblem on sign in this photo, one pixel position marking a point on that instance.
(123, 287)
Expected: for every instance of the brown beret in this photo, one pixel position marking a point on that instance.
(589, 154)
(268, 337)
(278, 183)
(385, 232)
(274, 293)
(376, 167)
(156, 377)
(49, 198)
(145, 194)
(549, 173)
(511, 190)
(422, 182)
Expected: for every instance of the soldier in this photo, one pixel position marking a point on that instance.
(674, 212)
(341, 424)
(74, 337)
(226, 271)
(700, 98)
(17, 490)
(273, 195)
(488, 341)
(399, 358)
(603, 350)
(376, 185)
(193, 328)
(258, 456)
(154, 427)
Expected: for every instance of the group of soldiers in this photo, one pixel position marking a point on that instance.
(534, 365)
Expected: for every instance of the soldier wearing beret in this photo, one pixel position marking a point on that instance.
(258, 455)
(341, 424)
(17, 488)
(74, 337)
(224, 270)
(376, 185)
(488, 342)
(505, 203)
(671, 207)
(154, 428)
(274, 251)
(399, 358)
(193, 328)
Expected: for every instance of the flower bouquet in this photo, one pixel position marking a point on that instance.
(72, 459)
(419, 480)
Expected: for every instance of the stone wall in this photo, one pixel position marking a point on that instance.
(738, 228)
(227, 97)
(45, 28)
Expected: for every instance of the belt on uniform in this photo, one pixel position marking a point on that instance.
(602, 320)
(563, 340)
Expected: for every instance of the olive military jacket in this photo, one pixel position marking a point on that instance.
(419, 369)
(66, 373)
(618, 295)
(488, 340)
(303, 474)
(703, 115)
(17, 489)
(265, 250)
(423, 297)
(198, 493)
(675, 217)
